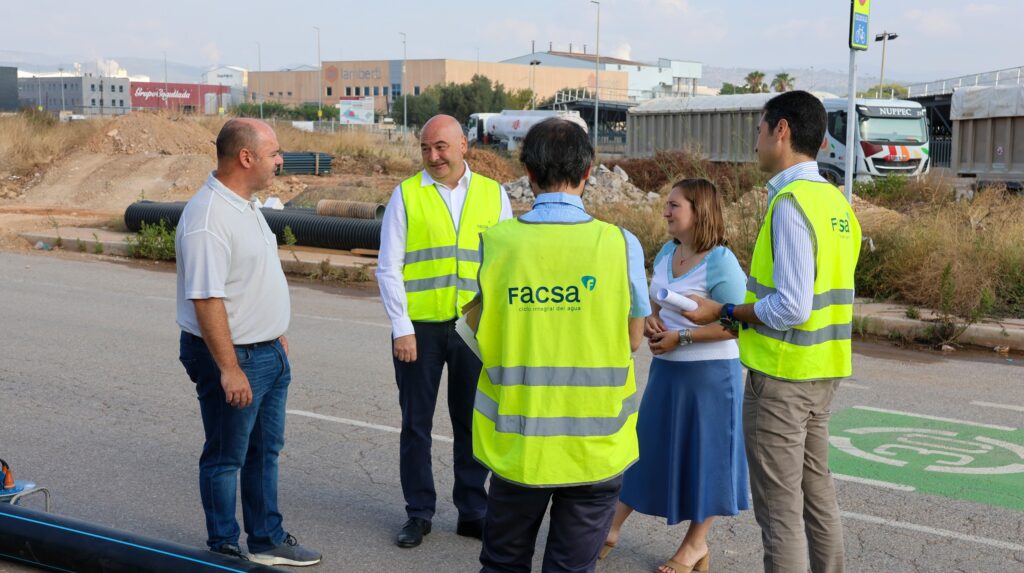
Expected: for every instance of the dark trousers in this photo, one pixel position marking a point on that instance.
(437, 344)
(580, 519)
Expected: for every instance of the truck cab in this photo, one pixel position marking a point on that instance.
(891, 139)
(476, 128)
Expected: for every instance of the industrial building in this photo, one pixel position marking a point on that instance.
(382, 79)
(9, 89)
(84, 95)
(186, 98)
(647, 80)
(231, 76)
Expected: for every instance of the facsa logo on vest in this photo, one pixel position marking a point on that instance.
(841, 225)
(550, 294)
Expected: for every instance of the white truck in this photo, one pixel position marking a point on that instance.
(892, 135)
(510, 126)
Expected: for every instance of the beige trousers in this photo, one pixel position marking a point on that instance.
(785, 425)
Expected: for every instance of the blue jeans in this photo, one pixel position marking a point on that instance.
(249, 440)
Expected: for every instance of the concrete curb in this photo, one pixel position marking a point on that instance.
(885, 320)
(294, 260)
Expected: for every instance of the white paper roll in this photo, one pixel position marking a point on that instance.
(675, 300)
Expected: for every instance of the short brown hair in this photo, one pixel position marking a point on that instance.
(235, 136)
(709, 225)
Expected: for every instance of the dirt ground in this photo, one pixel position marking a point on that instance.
(142, 156)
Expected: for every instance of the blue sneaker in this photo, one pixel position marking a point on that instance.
(287, 553)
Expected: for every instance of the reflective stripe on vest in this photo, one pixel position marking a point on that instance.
(441, 267)
(556, 401)
(821, 346)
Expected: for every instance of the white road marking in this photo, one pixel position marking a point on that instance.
(936, 418)
(1001, 406)
(854, 385)
(345, 320)
(360, 424)
(874, 482)
(845, 514)
(932, 531)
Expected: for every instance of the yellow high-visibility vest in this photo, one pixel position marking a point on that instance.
(820, 347)
(556, 401)
(440, 268)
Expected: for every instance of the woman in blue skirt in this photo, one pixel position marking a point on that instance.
(692, 464)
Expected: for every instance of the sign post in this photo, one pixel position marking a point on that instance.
(859, 13)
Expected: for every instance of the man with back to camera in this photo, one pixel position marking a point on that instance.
(564, 298)
(427, 270)
(795, 339)
(233, 310)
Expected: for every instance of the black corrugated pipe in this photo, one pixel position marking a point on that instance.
(57, 543)
(310, 230)
(305, 163)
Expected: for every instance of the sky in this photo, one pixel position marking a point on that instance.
(937, 38)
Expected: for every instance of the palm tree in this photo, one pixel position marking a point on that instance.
(755, 82)
(783, 82)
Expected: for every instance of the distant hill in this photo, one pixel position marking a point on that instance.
(154, 68)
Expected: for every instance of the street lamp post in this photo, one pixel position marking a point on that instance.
(61, 70)
(259, 84)
(597, 72)
(405, 94)
(533, 91)
(884, 37)
(319, 78)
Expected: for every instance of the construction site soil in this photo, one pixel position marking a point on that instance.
(165, 158)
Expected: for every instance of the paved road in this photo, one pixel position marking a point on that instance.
(94, 404)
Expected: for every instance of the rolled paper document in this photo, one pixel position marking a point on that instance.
(675, 300)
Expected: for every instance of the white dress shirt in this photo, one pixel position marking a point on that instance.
(391, 260)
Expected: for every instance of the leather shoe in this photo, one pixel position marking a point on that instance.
(473, 528)
(412, 532)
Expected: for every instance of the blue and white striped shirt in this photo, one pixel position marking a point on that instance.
(793, 248)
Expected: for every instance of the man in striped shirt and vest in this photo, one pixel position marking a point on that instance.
(795, 339)
(429, 258)
(564, 298)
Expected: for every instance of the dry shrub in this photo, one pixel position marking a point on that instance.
(957, 257)
(644, 221)
(905, 194)
(494, 165)
(29, 142)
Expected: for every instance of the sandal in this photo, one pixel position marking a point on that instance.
(606, 549)
(701, 565)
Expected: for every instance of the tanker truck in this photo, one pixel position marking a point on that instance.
(510, 126)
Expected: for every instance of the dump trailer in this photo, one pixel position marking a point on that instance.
(892, 135)
(988, 134)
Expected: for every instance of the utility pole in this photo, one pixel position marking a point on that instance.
(166, 99)
(61, 70)
(319, 79)
(884, 37)
(405, 93)
(259, 84)
(597, 73)
(533, 76)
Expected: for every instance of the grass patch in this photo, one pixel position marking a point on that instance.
(153, 241)
(964, 259)
(31, 141)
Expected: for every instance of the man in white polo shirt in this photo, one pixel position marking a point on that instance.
(233, 310)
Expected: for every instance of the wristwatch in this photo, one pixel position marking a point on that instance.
(685, 337)
(727, 319)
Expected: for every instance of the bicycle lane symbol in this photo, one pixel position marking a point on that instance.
(959, 460)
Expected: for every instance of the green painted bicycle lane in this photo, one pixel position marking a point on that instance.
(977, 462)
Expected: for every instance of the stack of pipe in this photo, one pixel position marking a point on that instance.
(305, 163)
(310, 229)
(351, 209)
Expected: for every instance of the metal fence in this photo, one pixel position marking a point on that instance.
(1008, 76)
(940, 150)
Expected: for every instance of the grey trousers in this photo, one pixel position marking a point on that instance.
(785, 425)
